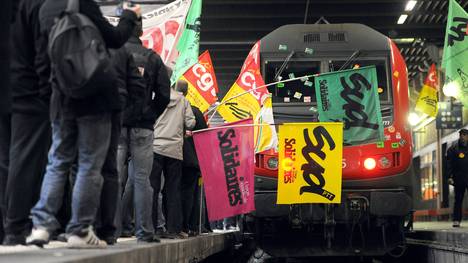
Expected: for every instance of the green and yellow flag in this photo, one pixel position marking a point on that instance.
(455, 58)
(427, 100)
(351, 97)
(310, 156)
(189, 42)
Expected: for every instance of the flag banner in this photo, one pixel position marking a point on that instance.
(310, 156)
(189, 42)
(265, 135)
(249, 104)
(351, 97)
(455, 55)
(226, 159)
(162, 29)
(427, 100)
(202, 85)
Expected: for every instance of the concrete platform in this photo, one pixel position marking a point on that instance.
(439, 242)
(125, 251)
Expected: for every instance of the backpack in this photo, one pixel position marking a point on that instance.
(78, 54)
(141, 57)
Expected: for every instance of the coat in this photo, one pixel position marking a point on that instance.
(457, 163)
(190, 154)
(169, 130)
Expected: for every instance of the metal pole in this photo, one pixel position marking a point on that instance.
(439, 156)
(201, 207)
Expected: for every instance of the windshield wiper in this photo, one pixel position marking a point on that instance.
(356, 54)
(283, 66)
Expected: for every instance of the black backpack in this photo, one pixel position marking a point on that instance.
(141, 57)
(78, 54)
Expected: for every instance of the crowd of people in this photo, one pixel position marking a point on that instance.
(87, 170)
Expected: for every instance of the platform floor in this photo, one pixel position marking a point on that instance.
(126, 250)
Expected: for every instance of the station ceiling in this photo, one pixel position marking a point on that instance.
(230, 27)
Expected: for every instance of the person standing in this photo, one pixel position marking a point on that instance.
(191, 174)
(29, 123)
(137, 133)
(81, 130)
(169, 132)
(457, 169)
(7, 15)
(131, 87)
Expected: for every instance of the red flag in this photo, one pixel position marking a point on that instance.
(202, 83)
(226, 159)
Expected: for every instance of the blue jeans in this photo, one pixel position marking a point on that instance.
(85, 139)
(139, 142)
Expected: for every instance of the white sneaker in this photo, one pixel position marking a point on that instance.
(39, 236)
(88, 241)
(456, 224)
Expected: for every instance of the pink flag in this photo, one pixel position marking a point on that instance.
(226, 158)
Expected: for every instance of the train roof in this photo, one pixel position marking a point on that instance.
(324, 37)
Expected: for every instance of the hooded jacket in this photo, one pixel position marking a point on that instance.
(169, 130)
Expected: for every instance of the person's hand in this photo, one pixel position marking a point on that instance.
(188, 133)
(134, 8)
(450, 181)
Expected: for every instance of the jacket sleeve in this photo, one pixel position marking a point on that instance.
(114, 37)
(161, 85)
(189, 117)
(41, 59)
(200, 120)
(450, 161)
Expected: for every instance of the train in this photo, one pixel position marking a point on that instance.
(375, 211)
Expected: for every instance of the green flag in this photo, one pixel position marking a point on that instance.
(189, 42)
(350, 96)
(455, 59)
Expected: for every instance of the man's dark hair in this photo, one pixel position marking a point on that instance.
(138, 30)
(463, 132)
(182, 87)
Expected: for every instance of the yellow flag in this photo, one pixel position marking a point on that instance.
(265, 135)
(427, 100)
(310, 156)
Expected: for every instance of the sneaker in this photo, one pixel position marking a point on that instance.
(90, 240)
(456, 224)
(150, 239)
(110, 240)
(160, 231)
(63, 237)
(126, 233)
(39, 237)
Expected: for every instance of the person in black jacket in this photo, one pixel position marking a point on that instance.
(81, 129)
(457, 170)
(29, 123)
(131, 87)
(191, 175)
(137, 136)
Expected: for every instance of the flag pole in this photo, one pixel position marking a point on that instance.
(248, 91)
(233, 126)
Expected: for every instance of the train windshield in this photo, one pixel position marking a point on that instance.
(301, 90)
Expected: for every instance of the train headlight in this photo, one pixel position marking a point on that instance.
(272, 163)
(370, 163)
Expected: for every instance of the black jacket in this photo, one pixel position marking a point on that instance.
(130, 84)
(114, 37)
(190, 155)
(158, 91)
(30, 68)
(457, 163)
(7, 14)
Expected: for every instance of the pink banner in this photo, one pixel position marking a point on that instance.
(226, 158)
